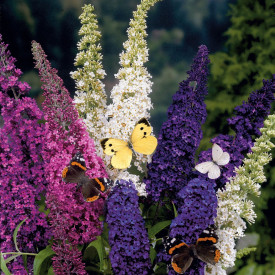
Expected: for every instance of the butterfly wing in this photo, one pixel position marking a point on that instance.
(102, 184)
(141, 140)
(89, 190)
(181, 262)
(208, 253)
(76, 169)
(119, 150)
(205, 247)
(204, 167)
(122, 159)
(180, 251)
(224, 159)
(216, 152)
(214, 172)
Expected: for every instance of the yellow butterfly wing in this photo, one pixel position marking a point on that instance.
(141, 140)
(119, 150)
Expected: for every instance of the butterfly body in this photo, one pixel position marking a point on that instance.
(184, 254)
(219, 158)
(121, 151)
(91, 189)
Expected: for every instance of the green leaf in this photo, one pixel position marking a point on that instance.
(50, 271)
(15, 234)
(175, 210)
(157, 228)
(161, 269)
(9, 259)
(42, 261)
(25, 261)
(3, 266)
(153, 254)
(98, 245)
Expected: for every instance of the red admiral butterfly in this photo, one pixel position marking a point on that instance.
(183, 254)
(90, 188)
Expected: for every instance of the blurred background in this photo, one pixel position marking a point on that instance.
(240, 35)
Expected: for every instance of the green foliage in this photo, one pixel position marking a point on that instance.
(15, 254)
(42, 261)
(3, 265)
(96, 254)
(247, 61)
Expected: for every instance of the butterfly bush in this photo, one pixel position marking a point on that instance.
(90, 98)
(35, 147)
(128, 237)
(235, 207)
(22, 172)
(246, 124)
(180, 135)
(130, 97)
(73, 221)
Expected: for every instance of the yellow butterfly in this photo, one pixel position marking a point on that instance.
(140, 141)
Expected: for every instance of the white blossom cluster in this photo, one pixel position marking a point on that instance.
(234, 206)
(130, 97)
(130, 100)
(90, 97)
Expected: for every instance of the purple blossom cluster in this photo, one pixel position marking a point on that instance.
(181, 134)
(197, 211)
(22, 172)
(249, 118)
(128, 237)
(73, 220)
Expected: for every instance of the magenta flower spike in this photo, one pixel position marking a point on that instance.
(22, 179)
(73, 220)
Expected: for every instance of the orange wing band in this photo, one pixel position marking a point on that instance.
(64, 172)
(79, 165)
(217, 255)
(176, 268)
(171, 250)
(94, 198)
(214, 240)
(102, 187)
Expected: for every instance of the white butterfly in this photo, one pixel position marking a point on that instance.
(212, 167)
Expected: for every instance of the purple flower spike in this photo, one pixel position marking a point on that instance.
(249, 119)
(197, 211)
(128, 237)
(22, 179)
(181, 134)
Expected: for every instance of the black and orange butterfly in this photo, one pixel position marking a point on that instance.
(90, 188)
(183, 254)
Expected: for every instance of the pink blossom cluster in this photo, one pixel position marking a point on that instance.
(73, 221)
(22, 181)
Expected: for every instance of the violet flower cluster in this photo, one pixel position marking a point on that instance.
(21, 166)
(246, 123)
(128, 237)
(173, 163)
(73, 221)
(181, 134)
(197, 211)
